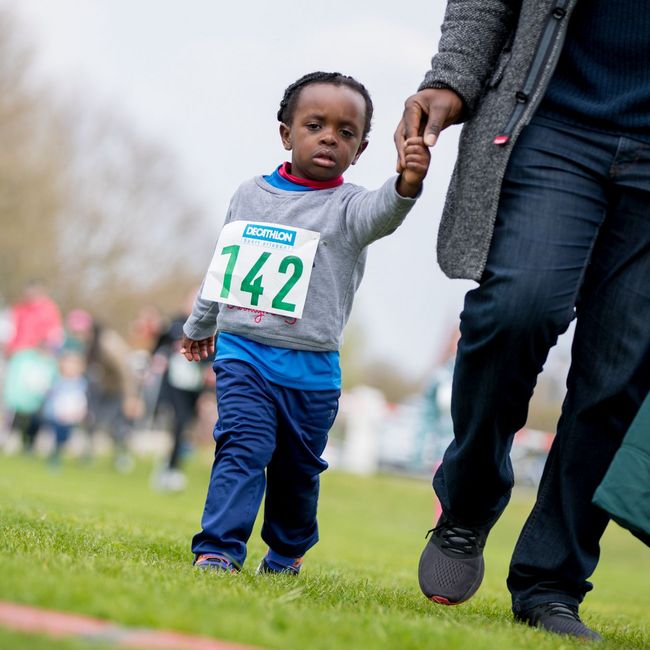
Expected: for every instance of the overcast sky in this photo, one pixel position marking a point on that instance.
(205, 77)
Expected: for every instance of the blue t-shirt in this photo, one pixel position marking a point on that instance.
(301, 369)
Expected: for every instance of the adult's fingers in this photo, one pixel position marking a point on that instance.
(412, 117)
(399, 140)
(409, 126)
(436, 122)
(443, 107)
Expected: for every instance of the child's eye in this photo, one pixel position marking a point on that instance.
(313, 126)
(347, 133)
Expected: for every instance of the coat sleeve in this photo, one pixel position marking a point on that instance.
(473, 34)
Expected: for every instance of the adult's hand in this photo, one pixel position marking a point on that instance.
(426, 113)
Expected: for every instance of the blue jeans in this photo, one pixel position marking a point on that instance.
(572, 238)
(264, 426)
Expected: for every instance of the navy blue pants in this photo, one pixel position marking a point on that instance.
(572, 237)
(264, 426)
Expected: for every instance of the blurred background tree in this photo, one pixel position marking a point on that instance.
(128, 233)
(31, 173)
(87, 204)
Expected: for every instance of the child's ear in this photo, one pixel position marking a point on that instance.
(285, 134)
(360, 150)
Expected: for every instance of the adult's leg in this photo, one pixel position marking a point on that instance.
(305, 418)
(28, 425)
(245, 437)
(609, 378)
(184, 404)
(109, 414)
(552, 205)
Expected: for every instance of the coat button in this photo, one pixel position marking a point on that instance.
(558, 13)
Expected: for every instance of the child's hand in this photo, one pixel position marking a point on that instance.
(416, 165)
(197, 350)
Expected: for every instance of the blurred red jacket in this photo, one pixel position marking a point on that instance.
(35, 322)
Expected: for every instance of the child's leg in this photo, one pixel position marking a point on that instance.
(245, 435)
(61, 435)
(305, 418)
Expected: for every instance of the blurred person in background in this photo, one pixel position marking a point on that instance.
(181, 385)
(35, 320)
(31, 332)
(436, 429)
(114, 402)
(145, 329)
(30, 374)
(66, 403)
(143, 334)
(6, 328)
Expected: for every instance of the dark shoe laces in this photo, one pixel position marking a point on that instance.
(560, 609)
(559, 618)
(457, 539)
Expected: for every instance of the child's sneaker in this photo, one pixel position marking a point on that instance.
(209, 562)
(274, 563)
(168, 480)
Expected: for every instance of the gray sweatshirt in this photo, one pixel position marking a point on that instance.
(348, 218)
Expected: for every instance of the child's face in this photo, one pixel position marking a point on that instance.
(325, 136)
(71, 365)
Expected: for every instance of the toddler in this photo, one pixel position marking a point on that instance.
(278, 292)
(66, 402)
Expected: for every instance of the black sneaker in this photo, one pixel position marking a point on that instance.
(558, 618)
(451, 565)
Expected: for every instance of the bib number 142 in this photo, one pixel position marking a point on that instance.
(252, 282)
(255, 267)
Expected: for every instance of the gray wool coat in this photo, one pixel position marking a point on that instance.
(498, 56)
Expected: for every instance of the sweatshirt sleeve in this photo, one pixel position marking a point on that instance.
(202, 322)
(473, 35)
(370, 215)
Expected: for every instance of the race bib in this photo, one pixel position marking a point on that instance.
(262, 266)
(183, 375)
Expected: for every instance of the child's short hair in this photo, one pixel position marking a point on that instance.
(288, 103)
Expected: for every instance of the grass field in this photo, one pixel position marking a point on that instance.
(86, 540)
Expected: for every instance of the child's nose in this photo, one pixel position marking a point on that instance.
(328, 137)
